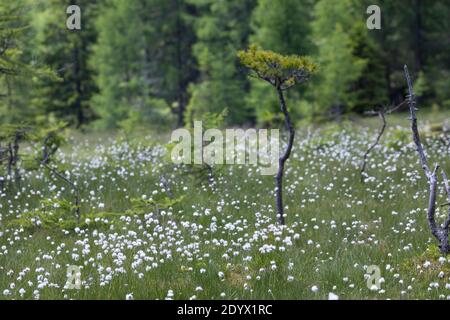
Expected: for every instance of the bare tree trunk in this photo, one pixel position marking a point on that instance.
(439, 232)
(283, 158)
(445, 246)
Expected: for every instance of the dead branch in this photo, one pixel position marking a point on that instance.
(373, 145)
(45, 163)
(416, 137)
(439, 232)
(447, 191)
(382, 112)
(166, 186)
(395, 108)
(72, 185)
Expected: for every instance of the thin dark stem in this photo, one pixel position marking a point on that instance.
(73, 185)
(284, 157)
(1, 162)
(377, 140)
(393, 109)
(10, 159)
(166, 186)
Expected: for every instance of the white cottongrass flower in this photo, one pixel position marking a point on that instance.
(169, 295)
(129, 296)
(332, 296)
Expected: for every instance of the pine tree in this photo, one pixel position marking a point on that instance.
(118, 59)
(415, 34)
(332, 29)
(16, 65)
(371, 90)
(178, 67)
(11, 28)
(436, 35)
(395, 45)
(282, 72)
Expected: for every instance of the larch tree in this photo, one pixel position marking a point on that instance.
(282, 72)
(179, 65)
(17, 68)
(11, 27)
(221, 28)
(119, 62)
(66, 52)
(332, 29)
(144, 64)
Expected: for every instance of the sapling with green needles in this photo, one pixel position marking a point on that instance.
(282, 72)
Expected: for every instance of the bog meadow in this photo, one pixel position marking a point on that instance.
(109, 191)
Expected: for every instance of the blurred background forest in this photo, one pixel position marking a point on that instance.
(163, 63)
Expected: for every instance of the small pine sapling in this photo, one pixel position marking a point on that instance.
(282, 72)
